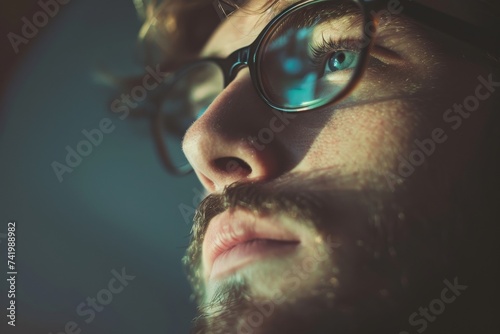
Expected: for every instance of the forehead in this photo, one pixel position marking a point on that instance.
(243, 26)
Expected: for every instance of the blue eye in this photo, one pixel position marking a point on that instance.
(342, 60)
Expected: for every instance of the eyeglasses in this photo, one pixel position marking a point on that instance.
(309, 56)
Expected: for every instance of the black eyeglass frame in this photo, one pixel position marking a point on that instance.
(249, 57)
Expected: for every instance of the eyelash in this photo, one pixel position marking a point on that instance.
(328, 46)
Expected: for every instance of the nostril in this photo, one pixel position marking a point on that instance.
(232, 165)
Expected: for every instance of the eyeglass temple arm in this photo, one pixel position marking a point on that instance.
(162, 149)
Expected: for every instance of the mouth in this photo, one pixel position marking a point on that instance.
(234, 240)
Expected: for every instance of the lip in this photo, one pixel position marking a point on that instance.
(237, 238)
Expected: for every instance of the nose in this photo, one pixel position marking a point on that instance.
(234, 139)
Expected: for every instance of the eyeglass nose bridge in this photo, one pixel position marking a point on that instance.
(235, 62)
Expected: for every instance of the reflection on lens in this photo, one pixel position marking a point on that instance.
(312, 55)
(193, 91)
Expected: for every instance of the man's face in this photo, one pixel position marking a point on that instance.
(336, 216)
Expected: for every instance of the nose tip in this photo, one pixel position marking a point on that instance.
(221, 145)
(219, 163)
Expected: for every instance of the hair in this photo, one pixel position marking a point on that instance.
(180, 28)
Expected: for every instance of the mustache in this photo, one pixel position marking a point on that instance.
(306, 195)
(280, 195)
(318, 198)
(260, 197)
(301, 195)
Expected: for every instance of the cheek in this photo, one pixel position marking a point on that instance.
(365, 139)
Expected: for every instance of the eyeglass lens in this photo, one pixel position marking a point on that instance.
(311, 57)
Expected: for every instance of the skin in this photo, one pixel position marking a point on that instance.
(347, 158)
(388, 125)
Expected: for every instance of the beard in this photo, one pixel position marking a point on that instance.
(391, 251)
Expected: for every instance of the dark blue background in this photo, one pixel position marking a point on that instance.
(117, 209)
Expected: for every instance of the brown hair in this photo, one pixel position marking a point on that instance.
(180, 28)
(176, 29)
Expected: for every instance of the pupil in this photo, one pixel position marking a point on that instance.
(336, 61)
(340, 58)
